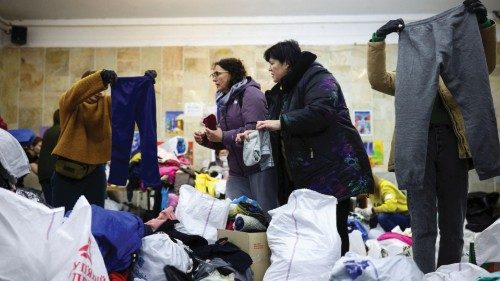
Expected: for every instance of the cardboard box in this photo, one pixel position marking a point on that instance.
(255, 245)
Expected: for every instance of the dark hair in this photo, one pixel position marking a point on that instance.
(36, 141)
(56, 118)
(87, 73)
(285, 51)
(234, 67)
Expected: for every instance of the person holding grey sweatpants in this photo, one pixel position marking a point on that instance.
(437, 135)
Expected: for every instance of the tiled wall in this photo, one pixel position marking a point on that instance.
(32, 79)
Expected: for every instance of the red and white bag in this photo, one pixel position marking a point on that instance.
(42, 245)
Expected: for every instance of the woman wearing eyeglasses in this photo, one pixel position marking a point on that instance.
(240, 104)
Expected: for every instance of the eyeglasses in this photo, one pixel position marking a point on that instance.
(217, 73)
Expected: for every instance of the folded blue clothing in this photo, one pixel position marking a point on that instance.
(353, 224)
(248, 224)
(245, 199)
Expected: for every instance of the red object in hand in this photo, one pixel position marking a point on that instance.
(210, 122)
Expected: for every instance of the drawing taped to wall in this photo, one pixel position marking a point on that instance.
(363, 122)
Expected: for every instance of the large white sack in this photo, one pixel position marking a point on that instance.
(41, 245)
(157, 251)
(303, 237)
(456, 272)
(487, 245)
(73, 251)
(25, 227)
(200, 213)
(395, 268)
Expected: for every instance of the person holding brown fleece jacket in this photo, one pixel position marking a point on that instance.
(84, 144)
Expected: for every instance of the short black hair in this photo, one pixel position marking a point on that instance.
(56, 118)
(285, 51)
(234, 67)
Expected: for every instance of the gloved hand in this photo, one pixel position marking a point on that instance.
(390, 27)
(475, 6)
(366, 212)
(108, 76)
(152, 74)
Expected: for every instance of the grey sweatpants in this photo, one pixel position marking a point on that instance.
(261, 186)
(448, 44)
(442, 202)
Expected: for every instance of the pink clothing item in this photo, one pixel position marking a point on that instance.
(184, 161)
(155, 223)
(172, 163)
(167, 213)
(173, 200)
(394, 235)
(169, 171)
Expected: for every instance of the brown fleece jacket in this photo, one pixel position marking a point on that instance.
(85, 128)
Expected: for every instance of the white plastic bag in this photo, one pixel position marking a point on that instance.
(200, 213)
(487, 245)
(303, 237)
(25, 227)
(156, 252)
(375, 250)
(456, 272)
(355, 267)
(73, 251)
(393, 247)
(41, 245)
(356, 243)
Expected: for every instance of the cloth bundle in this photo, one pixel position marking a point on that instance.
(257, 149)
(248, 224)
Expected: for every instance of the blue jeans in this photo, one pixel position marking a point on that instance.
(66, 191)
(388, 221)
(444, 193)
(261, 186)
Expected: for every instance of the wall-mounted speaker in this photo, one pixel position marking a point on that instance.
(18, 34)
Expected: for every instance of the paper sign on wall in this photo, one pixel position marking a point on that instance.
(193, 109)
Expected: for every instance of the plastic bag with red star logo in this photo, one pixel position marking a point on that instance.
(73, 251)
(39, 244)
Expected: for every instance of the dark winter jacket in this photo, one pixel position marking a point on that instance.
(47, 161)
(243, 109)
(322, 149)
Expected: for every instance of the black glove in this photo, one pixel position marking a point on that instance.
(108, 76)
(476, 7)
(151, 73)
(390, 27)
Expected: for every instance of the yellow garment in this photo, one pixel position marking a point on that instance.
(85, 128)
(388, 198)
(206, 184)
(136, 157)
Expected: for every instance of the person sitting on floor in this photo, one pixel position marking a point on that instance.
(389, 206)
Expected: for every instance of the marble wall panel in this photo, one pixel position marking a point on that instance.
(105, 58)
(128, 61)
(80, 60)
(11, 63)
(31, 78)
